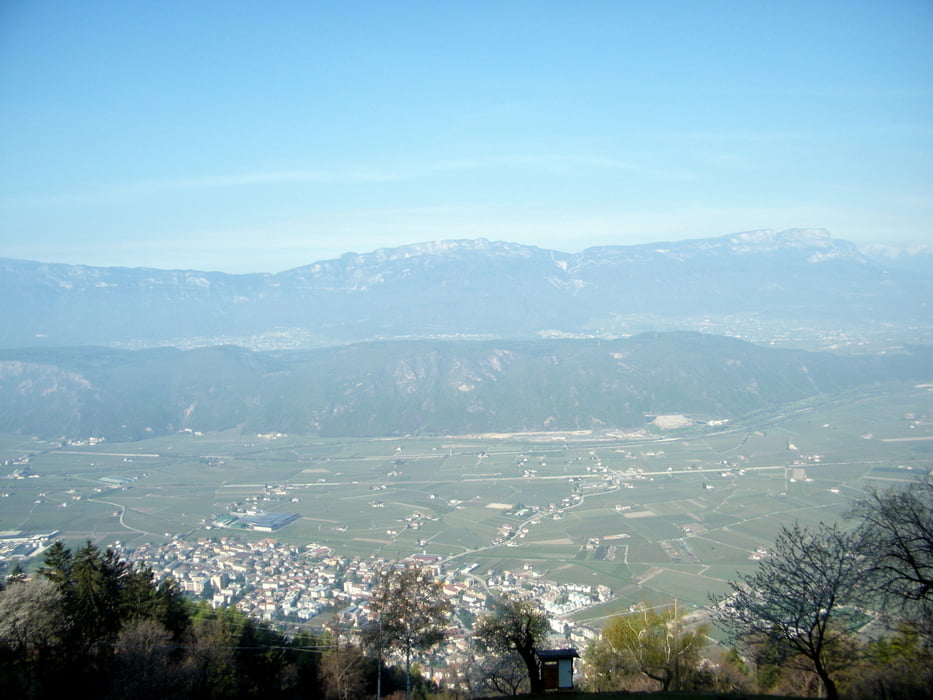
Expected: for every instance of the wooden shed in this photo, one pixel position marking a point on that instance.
(557, 668)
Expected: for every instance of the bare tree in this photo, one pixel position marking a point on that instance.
(210, 663)
(142, 665)
(802, 599)
(896, 536)
(501, 673)
(410, 611)
(343, 670)
(515, 626)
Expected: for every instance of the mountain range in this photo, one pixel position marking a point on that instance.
(423, 386)
(469, 288)
(375, 343)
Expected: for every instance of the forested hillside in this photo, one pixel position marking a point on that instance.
(422, 387)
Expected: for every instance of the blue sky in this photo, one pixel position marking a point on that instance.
(245, 136)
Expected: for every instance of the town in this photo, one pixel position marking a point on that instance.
(297, 588)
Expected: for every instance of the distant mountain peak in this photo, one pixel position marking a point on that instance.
(474, 288)
(444, 247)
(787, 237)
(425, 249)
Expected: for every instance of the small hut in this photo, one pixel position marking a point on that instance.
(557, 668)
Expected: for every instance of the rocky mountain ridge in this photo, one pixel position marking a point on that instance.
(474, 288)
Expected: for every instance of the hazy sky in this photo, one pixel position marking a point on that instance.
(248, 136)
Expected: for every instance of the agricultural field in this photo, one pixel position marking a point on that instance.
(670, 515)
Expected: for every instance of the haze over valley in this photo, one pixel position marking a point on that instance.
(459, 337)
(608, 322)
(434, 376)
(590, 431)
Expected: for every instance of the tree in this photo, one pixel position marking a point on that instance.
(230, 654)
(260, 658)
(16, 575)
(93, 625)
(649, 642)
(780, 671)
(210, 661)
(515, 626)
(343, 669)
(99, 595)
(410, 611)
(57, 563)
(30, 630)
(305, 652)
(801, 601)
(501, 674)
(89, 583)
(896, 536)
(898, 667)
(143, 662)
(94, 587)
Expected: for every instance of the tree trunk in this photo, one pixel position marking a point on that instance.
(379, 673)
(664, 680)
(407, 673)
(832, 693)
(534, 672)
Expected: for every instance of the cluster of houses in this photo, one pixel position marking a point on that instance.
(310, 585)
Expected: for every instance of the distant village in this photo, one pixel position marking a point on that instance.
(295, 587)
(310, 586)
